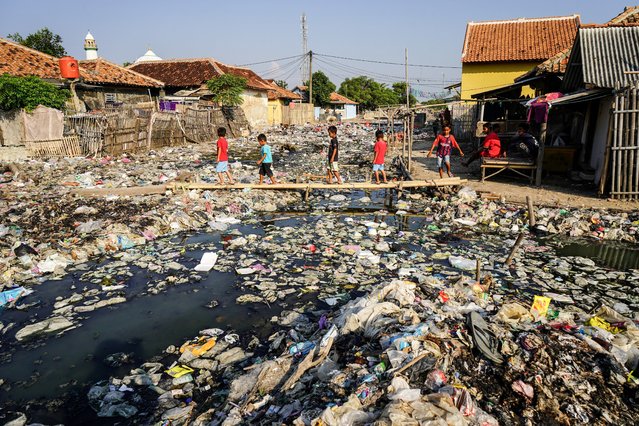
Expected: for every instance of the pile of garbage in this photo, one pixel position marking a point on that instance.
(545, 340)
(405, 316)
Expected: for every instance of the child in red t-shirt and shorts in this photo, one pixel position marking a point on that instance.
(378, 159)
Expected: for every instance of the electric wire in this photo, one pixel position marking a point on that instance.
(273, 60)
(387, 63)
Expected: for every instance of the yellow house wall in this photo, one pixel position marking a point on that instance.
(477, 78)
(274, 112)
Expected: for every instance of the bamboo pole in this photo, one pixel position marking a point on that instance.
(401, 185)
(604, 173)
(518, 242)
(634, 141)
(540, 153)
(620, 134)
(615, 134)
(531, 212)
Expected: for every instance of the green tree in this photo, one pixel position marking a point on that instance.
(43, 40)
(282, 84)
(400, 89)
(126, 63)
(367, 92)
(29, 92)
(227, 89)
(322, 89)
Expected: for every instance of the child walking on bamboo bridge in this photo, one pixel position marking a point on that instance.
(445, 142)
(266, 160)
(378, 159)
(222, 167)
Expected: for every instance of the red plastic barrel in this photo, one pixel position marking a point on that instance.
(69, 67)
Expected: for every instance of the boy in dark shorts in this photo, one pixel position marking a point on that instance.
(266, 161)
(333, 154)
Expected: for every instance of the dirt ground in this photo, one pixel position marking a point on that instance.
(554, 191)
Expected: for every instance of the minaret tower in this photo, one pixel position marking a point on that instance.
(90, 47)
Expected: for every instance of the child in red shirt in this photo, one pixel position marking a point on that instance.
(223, 157)
(378, 159)
(491, 147)
(445, 144)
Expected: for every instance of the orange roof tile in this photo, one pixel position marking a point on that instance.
(195, 72)
(278, 92)
(521, 39)
(101, 71)
(629, 15)
(336, 98)
(22, 61)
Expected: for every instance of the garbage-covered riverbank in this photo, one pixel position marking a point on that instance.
(377, 323)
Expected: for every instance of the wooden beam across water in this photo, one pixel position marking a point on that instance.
(455, 181)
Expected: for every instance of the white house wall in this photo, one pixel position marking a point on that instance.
(255, 107)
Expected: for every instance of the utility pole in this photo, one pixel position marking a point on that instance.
(310, 78)
(304, 66)
(406, 70)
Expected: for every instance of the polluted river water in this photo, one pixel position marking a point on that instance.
(63, 367)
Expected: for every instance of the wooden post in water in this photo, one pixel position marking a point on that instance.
(540, 153)
(520, 238)
(531, 212)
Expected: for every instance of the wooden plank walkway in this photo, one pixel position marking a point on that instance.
(454, 181)
(161, 189)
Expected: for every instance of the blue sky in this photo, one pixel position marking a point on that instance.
(242, 31)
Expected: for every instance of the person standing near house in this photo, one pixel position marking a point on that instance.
(333, 157)
(491, 148)
(445, 142)
(266, 161)
(222, 167)
(378, 159)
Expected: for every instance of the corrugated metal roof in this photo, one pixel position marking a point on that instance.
(604, 53)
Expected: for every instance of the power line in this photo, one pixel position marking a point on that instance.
(387, 63)
(384, 78)
(272, 60)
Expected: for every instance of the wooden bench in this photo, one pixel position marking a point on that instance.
(522, 167)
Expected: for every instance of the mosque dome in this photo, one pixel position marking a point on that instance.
(149, 56)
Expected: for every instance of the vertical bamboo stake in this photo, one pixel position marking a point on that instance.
(622, 106)
(540, 153)
(634, 155)
(615, 133)
(625, 143)
(478, 270)
(604, 173)
(531, 212)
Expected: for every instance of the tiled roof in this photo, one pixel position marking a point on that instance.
(22, 61)
(518, 40)
(336, 98)
(555, 65)
(101, 71)
(195, 72)
(180, 72)
(277, 92)
(253, 81)
(630, 15)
